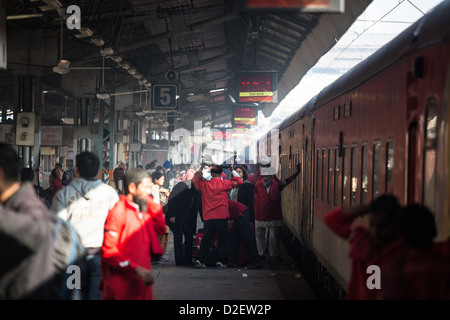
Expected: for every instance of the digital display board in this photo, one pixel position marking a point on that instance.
(257, 87)
(244, 116)
(219, 135)
(290, 5)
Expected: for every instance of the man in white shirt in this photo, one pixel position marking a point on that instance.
(85, 202)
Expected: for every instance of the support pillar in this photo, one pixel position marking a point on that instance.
(106, 123)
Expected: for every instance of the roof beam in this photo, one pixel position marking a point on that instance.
(165, 35)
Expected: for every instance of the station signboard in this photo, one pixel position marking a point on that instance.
(256, 87)
(244, 115)
(164, 97)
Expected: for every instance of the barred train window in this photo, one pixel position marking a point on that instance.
(330, 174)
(344, 176)
(354, 179)
(429, 165)
(317, 173)
(364, 176)
(324, 158)
(376, 185)
(337, 173)
(389, 166)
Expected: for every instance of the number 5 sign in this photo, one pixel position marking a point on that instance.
(164, 96)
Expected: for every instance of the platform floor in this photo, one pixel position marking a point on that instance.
(276, 280)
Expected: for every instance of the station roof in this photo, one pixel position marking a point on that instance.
(206, 42)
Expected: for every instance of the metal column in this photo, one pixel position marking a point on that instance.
(106, 124)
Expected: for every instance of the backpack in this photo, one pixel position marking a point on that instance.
(67, 250)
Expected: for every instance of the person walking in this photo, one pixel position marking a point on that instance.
(161, 196)
(130, 239)
(170, 179)
(215, 212)
(26, 268)
(85, 202)
(27, 175)
(55, 183)
(118, 174)
(182, 208)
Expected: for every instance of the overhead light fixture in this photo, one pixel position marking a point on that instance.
(97, 41)
(102, 94)
(125, 65)
(84, 33)
(107, 51)
(132, 71)
(25, 16)
(55, 4)
(217, 90)
(63, 67)
(147, 84)
(138, 76)
(116, 58)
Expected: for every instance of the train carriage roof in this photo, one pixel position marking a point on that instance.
(432, 28)
(299, 114)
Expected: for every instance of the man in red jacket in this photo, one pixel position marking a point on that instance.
(131, 230)
(268, 214)
(215, 212)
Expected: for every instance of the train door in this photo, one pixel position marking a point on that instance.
(429, 154)
(411, 168)
(439, 139)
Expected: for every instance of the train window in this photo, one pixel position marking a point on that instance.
(305, 170)
(294, 166)
(347, 109)
(344, 175)
(330, 174)
(337, 173)
(336, 113)
(324, 173)
(429, 164)
(364, 176)
(389, 166)
(317, 173)
(376, 183)
(354, 181)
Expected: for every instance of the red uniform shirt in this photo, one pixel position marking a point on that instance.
(130, 239)
(363, 253)
(235, 209)
(268, 205)
(215, 195)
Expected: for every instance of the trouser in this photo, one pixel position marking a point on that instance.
(178, 230)
(241, 232)
(211, 227)
(268, 231)
(91, 277)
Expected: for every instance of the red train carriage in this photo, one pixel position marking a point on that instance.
(381, 128)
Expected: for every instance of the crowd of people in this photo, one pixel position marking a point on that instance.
(124, 228)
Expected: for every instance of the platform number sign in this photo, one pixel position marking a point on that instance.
(164, 96)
